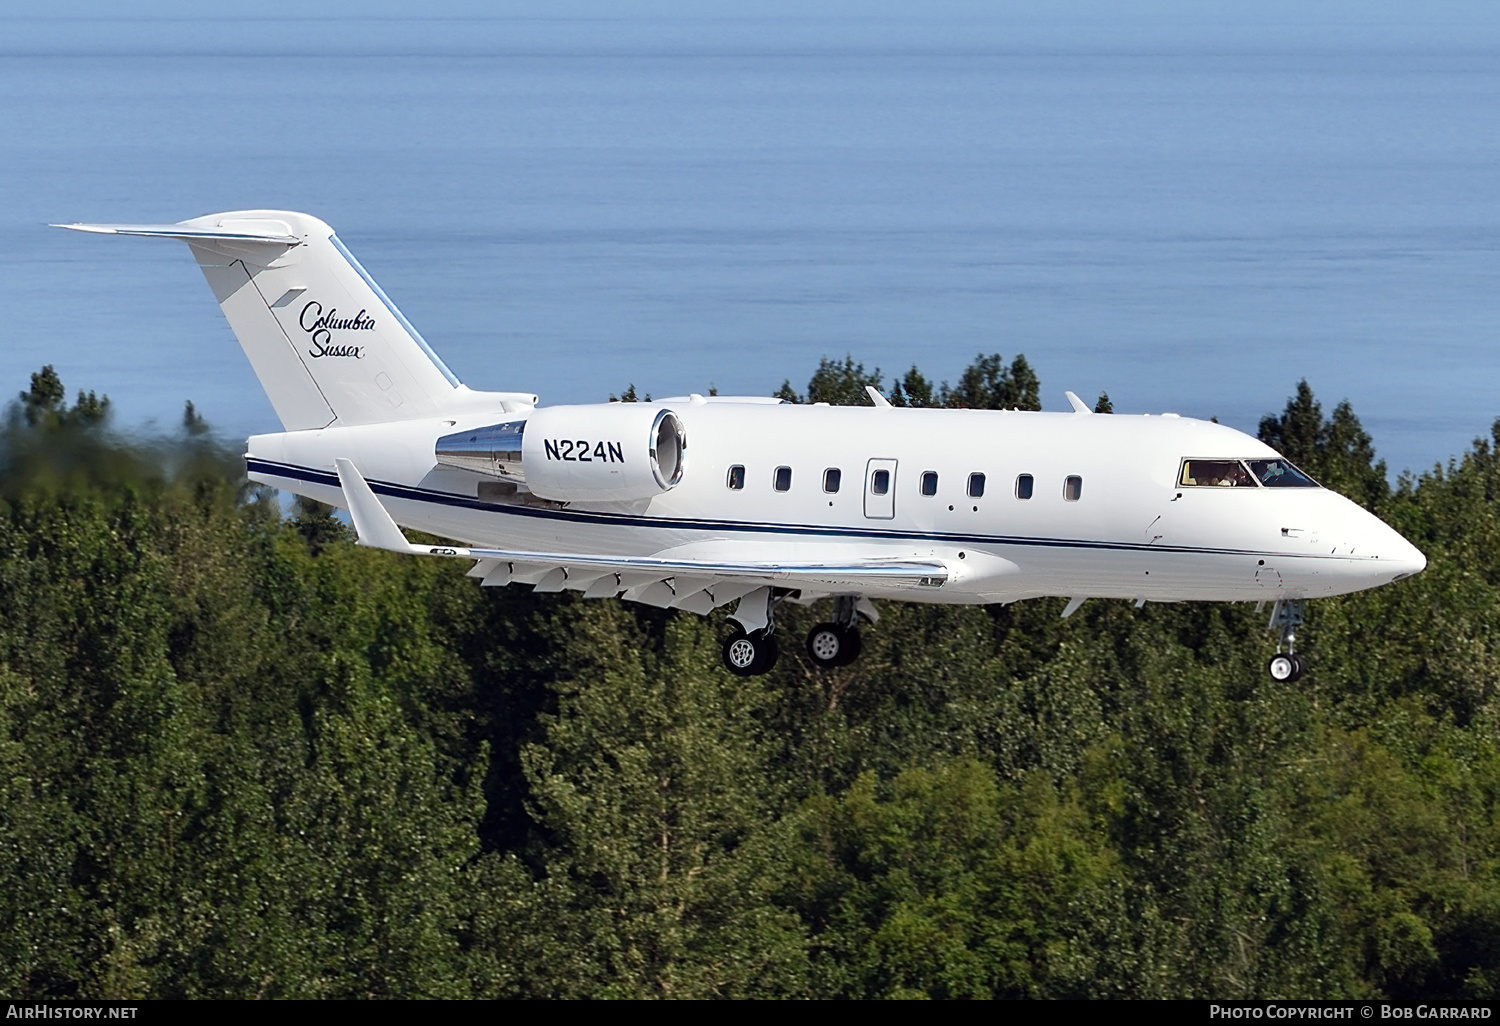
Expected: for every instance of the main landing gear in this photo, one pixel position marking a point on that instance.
(753, 649)
(837, 643)
(750, 654)
(1286, 616)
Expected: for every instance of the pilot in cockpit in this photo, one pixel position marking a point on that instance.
(1223, 473)
(1236, 476)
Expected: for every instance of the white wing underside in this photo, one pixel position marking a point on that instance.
(696, 585)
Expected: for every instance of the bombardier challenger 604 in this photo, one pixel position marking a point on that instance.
(696, 502)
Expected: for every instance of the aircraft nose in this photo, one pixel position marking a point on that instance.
(1396, 558)
(1356, 549)
(1407, 558)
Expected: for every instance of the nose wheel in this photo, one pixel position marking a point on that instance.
(1285, 668)
(1286, 617)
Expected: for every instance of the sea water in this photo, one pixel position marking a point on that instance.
(1189, 212)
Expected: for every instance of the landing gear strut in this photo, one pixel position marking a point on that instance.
(1286, 616)
(836, 643)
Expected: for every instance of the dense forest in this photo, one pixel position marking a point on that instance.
(242, 757)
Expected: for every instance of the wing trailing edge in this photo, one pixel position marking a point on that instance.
(634, 574)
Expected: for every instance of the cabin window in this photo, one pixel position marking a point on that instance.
(832, 478)
(929, 482)
(1073, 488)
(880, 482)
(1025, 485)
(1221, 473)
(1280, 474)
(736, 478)
(976, 486)
(783, 479)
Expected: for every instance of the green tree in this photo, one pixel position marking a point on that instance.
(317, 525)
(43, 404)
(1337, 452)
(913, 390)
(945, 884)
(655, 864)
(990, 384)
(241, 756)
(842, 384)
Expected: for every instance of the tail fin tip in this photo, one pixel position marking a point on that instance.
(326, 342)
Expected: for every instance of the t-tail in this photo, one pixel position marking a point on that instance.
(328, 346)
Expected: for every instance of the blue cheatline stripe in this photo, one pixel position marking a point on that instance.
(295, 472)
(380, 293)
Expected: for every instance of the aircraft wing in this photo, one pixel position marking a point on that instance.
(692, 584)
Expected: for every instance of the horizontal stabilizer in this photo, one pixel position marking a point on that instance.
(268, 232)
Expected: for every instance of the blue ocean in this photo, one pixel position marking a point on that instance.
(1191, 207)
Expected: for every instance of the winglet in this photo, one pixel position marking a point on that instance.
(1079, 406)
(876, 397)
(373, 524)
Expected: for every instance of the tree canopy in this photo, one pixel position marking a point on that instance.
(242, 757)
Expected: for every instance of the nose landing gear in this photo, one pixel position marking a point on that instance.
(1286, 667)
(1286, 616)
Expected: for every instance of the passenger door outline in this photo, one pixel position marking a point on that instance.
(880, 507)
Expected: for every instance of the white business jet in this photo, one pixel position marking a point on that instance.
(696, 502)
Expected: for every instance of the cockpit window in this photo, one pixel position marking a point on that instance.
(1280, 474)
(1223, 473)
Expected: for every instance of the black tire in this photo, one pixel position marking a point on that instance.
(749, 655)
(1300, 667)
(826, 645)
(830, 646)
(770, 651)
(741, 653)
(853, 646)
(1284, 668)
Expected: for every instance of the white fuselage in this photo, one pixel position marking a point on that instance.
(1133, 532)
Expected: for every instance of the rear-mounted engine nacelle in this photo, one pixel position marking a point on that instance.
(578, 453)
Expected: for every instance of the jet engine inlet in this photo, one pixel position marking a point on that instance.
(668, 454)
(623, 451)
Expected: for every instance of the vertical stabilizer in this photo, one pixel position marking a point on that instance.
(326, 343)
